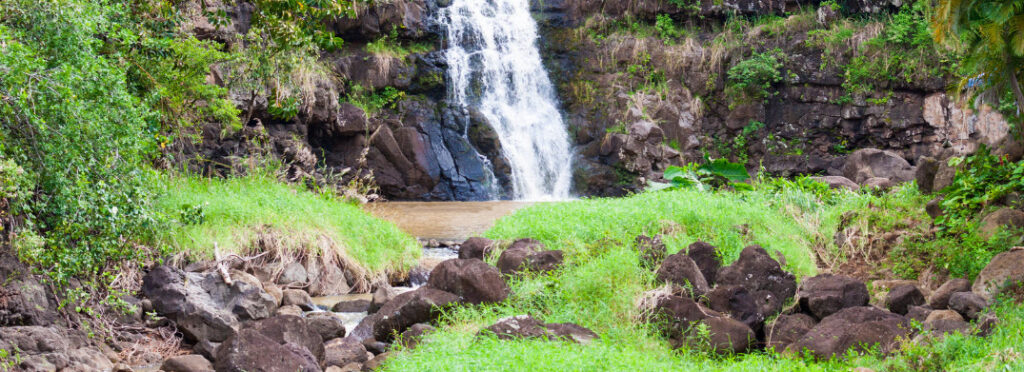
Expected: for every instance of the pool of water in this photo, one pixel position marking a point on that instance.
(454, 221)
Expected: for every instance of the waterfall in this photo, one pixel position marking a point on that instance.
(495, 68)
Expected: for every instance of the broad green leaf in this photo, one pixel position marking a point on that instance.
(734, 172)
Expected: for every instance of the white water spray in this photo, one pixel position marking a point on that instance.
(495, 67)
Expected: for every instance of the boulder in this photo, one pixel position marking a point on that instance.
(331, 281)
(328, 325)
(738, 303)
(351, 306)
(380, 297)
(377, 361)
(341, 352)
(527, 327)
(853, 328)
(934, 208)
(289, 310)
(203, 306)
(297, 297)
(289, 329)
(968, 304)
(680, 271)
(471, 279)
(375, 347)
(870, 163)
(571, 332)
(877, 183)
(251, 350)
(948, 326)
(412, 336)
(527, 254)
(826, 294)
(786, 329)
(925, 173)
(293, 274)
(918, 313)
(1004, 269)
(901, 298)
(724, 336)
(706, 257)
(943, 315)
(187, 363)
(651, 250)
(418, 306)
(756, 271)
(837, 182)
(944, 176)
(38, 348)
(940, 298)
(1004, 218)
(672, 314)
(478, 248)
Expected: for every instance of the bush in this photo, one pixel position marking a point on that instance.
(752, 78)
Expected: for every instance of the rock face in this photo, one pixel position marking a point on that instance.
(901, 298)
(293, 330)
(756, 271)
(851, 328)
(23, 300)
(202, 305)
(1005, 268)
(528, 254)
(827, 294)
(473, 280)
(680, 270)
(418, 306)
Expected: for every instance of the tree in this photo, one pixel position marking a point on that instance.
(991, 35)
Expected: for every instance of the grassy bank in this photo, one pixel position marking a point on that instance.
(601, 279)
(240, 215)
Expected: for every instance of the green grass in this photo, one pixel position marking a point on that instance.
(235, 211)
(601, 279)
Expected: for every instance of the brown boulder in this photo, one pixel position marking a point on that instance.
(527, 327)
(187, 363)
(738, 303)
(528, 254)
(251, 350)
(869, 163)
(756, 271)
(473, 280)
(1004, 269)
(297, 297)
(786, 329)
(673, 314)
(328, 325)
(855, 328)
(475, 247)
(837, 182)
(1005, 218)
(344, 351)
(288, 329)
(706, 257)
(680, 271)
(826, 294)
(412, 336)
(968, 304)
(725, 336)
(940, 298)
(901, 298)
(418, 306)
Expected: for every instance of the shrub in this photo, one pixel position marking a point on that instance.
(752, 78)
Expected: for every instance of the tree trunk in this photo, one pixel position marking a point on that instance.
(1014, 81)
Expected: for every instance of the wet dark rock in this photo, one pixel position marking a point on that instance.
(412, 336)
(251, 350)
(528, 255)
(738, 303)
(680, 271)
(787, 329)
(476, 247)
(826, 294)
(852, 328)
(187, 363)
(328, 325)
(203, 306)
(756, 271)
(472, 279)
(706, 257)
(968, 304)
(900, 299)
(940, 298)
(651, 250)
(418, 306)
(344, 351)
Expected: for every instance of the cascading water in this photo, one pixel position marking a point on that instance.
(494, 66)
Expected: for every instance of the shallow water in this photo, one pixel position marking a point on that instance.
(444, 220)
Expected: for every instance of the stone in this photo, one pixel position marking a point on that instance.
(786, 329)
(944, 176)
(756, 271)
(39, 348)
(203, 306)
(672, 314)
(331, 281)
(274, 291)
(725, 336)
(985, 325)
(516, 327)
(353, 306)
(925, 173)
(471, 279)
(877, 183)
(938, 315)
(870, 163)
(417, 306)
(901, 298)
(23, 299)
(412, 336)
(341, 352)
(251, 350)
(376, 362)
(289, 310)
(837, 182)
(918, 313)
(571, 332)
(479, 248)
(289, 329)
(297, 297)
(1005, 269)
(680, 271)
(1004, 218)
(940, 298)
(706, 257)
(328, 325)
(948, 326)
(853, 328)
(968, 304)
(375, 347)
(738, 303)
(293, 274)
(826, 294)
(934, 208)
(187, 363)
(528, 255)
(380, 297)
(651, 250)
